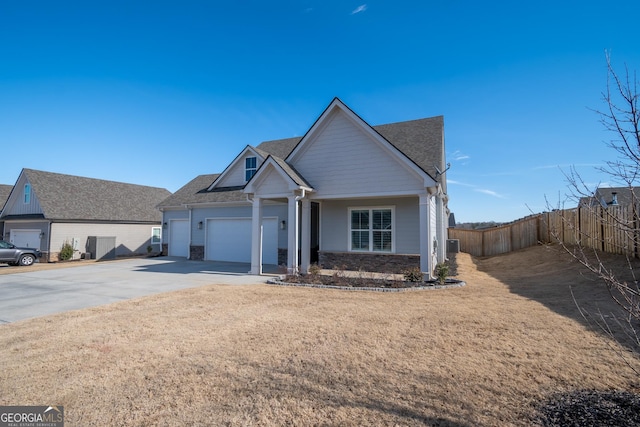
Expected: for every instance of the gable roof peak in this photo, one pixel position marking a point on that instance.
(248, 148)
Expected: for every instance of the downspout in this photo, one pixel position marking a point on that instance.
(432, 234)
(49, 242)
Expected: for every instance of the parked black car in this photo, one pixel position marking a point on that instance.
(12, 255)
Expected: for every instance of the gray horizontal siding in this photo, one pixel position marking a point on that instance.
(334, 226)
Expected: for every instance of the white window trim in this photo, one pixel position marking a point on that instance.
(152, 235)
(372, 208)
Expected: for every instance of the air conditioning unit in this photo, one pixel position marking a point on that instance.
(453, 246)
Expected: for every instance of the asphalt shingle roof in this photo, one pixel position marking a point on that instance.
(195, 191)
(289, 170)
(422, 141)
(68, 197)
(5, 190)
(280, 147)
(604, 196)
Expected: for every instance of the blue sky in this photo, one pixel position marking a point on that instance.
(155, 93)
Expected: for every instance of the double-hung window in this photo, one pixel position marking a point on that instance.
(371, 229)
(156, 235)
(250, 167)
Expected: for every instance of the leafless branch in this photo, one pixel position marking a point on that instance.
(621, 116)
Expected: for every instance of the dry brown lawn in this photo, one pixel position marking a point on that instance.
(486, 354)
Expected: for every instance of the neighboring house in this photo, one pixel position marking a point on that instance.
(5, 190)
(45, 210)
(612, 196)
(345, 195)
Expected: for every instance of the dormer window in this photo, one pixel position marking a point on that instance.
(250, 168)
(27, 193)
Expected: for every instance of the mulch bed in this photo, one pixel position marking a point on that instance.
(367, 280)
(585, 408)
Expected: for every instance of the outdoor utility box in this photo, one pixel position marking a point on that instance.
(102, 247)
(453, 246)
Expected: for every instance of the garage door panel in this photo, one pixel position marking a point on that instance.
(229, 239)
(25, 238)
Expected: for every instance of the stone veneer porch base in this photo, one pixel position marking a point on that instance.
(377, 263)
(351, 261)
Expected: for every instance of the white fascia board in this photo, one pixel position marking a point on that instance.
(15, 191)
(221, 204)
(319, 125)
(262, 173)
(315, 128)
(366, 195)
(273, 195)
(220, 177)
(26, 221)
(214, 204)
(394, 152)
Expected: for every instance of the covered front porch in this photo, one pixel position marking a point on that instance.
(319, 231)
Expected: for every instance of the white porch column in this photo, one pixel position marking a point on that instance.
(425, 244)
(305, 239)
(256, 236)
(292, 247)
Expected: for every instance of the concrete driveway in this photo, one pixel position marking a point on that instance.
(26, 294)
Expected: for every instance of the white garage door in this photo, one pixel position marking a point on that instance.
(179, 238)
(25, 238)
(229, 239)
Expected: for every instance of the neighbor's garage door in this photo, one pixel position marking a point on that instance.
(179, 238)
(25, 238)
(229, 239)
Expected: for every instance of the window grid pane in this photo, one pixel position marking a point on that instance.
(360, 240)
(360, 220)
(250, 166)
(382, 219)
(382, 241)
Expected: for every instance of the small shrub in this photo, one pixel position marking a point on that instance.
(314, 270)
(282, 269)
(413, 274)
(66, 252)
(339, 276)
(149, 249)
(441, 272)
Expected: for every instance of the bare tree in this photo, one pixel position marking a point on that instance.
(621, 117)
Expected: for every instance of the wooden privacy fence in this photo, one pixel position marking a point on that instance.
(613, 229)
(498, 240)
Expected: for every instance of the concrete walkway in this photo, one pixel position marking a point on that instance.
(39, 292)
